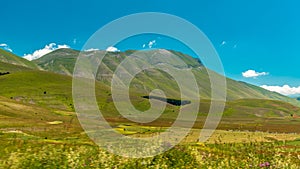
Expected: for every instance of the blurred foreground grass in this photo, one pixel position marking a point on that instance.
(20, 150)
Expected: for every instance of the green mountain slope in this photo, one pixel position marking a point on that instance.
(63, 61)
(267, 108)
(63, 64)
(6, 67)
(8, 57)
(38, 87)
(53, 91)
(41, 97)
(42, 88)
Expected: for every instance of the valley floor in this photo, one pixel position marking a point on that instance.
(33, 136)
(225, 149)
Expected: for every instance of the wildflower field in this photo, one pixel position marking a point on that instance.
(21, 150)
(36, 137)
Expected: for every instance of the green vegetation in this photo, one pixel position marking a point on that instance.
(37, 87)
(20, 150)
(170, 101)
(6, 67)
(39, 127)
(8, 57)
(63, 60)
(63, 64)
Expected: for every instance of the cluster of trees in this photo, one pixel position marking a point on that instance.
(3, 73)
(170, 101)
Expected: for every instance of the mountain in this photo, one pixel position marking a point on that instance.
(45, 89)
(295, 96)
(63, 60)
(30, 96)
(52, 91)
(268, 108)
(7, 57)
(59, 61)
(41, 88)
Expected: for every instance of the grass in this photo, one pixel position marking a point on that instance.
(55, 122)
(52, 93)
(7, 57)
(39, 128)
(63, 60)
(41, 88)
(63, 64)
(27, 140)
(20, 150)
(235, 136)
(132, 129)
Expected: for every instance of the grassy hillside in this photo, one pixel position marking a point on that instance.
(37, 87)
(63, 60)
(39, 128)
(53, 92)
(35, 119)
(7, 67)
(63, 64)
(11, 58)
(267, 108)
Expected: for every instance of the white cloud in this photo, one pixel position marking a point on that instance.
(74, 41)
(62, 46)
(90, 50)
(151, 43)
(223, 43)
(253, 73)
(285, 89)
(5, 47)
(9, 49)
(112, 49)
(41, 52)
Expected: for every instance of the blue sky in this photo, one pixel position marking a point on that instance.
(248, 35)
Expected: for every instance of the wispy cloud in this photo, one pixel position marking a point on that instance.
(91, 49)
(74, 41)
(112, 49)
(253, 74)
(5, 47)
(223, 43)
(41, 52)
(150, 44)
(285, 89)
(229, 44)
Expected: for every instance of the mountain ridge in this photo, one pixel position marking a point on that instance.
(8, 57)
(62, 61)
(57, 60)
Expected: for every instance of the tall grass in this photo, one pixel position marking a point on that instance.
(18, 153)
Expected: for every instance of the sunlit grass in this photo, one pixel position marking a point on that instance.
(38, 152)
